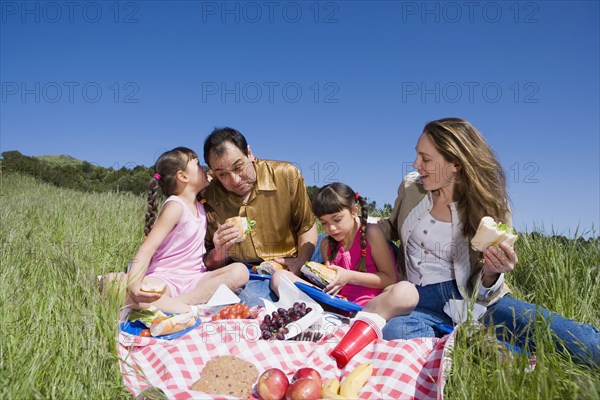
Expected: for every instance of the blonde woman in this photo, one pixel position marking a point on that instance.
(458, 180)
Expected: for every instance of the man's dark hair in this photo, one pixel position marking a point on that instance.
(215, 142)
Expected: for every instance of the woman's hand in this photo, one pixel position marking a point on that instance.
(342, 277)
(499, 259)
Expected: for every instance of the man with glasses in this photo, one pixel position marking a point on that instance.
(272, 193)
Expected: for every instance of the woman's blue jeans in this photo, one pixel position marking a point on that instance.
(514, 320)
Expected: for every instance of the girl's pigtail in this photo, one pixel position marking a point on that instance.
(361, 266)
(152, 204)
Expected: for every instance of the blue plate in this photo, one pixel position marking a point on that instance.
(259, 277)
(325, 298)
(135, 327)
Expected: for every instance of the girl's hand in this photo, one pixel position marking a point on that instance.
(342, 277)
(499, 259)
(139, 296)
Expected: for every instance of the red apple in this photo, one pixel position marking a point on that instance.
(272, 384)
(309, 373)
(304, 389)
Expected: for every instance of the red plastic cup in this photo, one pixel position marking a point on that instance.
(361, 333)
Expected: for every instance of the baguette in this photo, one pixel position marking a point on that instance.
(176, 323)
(489, 233)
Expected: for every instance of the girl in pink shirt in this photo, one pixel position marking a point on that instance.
(364, 263)
(173, 250)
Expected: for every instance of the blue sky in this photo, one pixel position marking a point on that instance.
(342, 89)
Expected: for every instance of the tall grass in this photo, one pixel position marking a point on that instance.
(57, 334)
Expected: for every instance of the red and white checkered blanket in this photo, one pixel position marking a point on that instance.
(403, 369)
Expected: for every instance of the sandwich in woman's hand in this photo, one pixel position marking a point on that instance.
(244, 226)
(318, 273)
(269, 267)
(489, 233)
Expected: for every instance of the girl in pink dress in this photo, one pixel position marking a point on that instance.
(173, 251)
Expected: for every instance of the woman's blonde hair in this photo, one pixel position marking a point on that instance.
(481, 182)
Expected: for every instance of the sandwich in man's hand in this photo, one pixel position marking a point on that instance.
(244, 226)
(318, 273)
(489, 233)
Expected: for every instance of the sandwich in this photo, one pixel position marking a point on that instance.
(160, 323)
(244, 225)
(318, 273)
(172, 324)
(489, 233)
(154, 287)
(269, 267)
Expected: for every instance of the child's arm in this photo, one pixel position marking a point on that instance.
(384, 261)
(167, 220)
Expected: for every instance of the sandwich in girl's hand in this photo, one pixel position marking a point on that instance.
(489, 233)
(244, 225)
(154, 287)
(318, 273)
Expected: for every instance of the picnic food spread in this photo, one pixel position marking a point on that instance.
(489, 233)
(227, 375)
(244, 225)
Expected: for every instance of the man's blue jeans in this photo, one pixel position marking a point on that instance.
(514, 320)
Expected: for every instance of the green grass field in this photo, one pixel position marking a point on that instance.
(58, 334)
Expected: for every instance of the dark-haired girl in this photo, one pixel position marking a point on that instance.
(358, 252)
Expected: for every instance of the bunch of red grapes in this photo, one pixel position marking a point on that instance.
(274, 325)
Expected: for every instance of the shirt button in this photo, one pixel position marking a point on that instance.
(425, 232)
(433, 221)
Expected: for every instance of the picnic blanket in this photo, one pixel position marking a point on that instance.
(403, 369)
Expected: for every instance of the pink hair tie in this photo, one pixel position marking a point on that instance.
(157, 177)
(356, 196)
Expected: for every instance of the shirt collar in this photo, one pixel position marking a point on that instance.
(264, 177)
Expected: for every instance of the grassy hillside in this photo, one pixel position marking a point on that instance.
(57, 335)
(62, 159)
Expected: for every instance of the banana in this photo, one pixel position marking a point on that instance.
(330, 388)
(352, 384)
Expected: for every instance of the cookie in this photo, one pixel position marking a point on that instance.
(227, 375)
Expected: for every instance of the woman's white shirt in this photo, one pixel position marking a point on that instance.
(430, 252)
